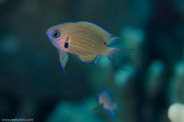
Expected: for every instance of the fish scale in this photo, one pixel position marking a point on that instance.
(76, 39)
(80, 42)
(88, 34)
(82, 48)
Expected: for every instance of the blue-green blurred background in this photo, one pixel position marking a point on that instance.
(33, 85)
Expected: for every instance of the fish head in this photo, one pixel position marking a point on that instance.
(58, 37)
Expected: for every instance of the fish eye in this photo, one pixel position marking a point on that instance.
(66, 45)
(56, 34)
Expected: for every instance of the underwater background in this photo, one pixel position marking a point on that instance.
(33, 85)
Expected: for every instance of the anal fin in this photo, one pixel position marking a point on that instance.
(92, 59)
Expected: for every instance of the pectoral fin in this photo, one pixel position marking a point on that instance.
(114, 42)
(63, 59)
(89, 59)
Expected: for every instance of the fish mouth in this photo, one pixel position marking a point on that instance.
(47, 32)
(53, 43)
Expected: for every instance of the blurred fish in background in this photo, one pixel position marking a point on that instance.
(106, 101)
(33, 86)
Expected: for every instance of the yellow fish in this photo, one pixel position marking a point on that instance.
(84, 39)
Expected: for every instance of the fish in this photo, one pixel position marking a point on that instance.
(105, 100)
(83, 39)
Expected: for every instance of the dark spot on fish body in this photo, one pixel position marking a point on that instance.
(66, 45)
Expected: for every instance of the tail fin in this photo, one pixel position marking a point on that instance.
(121, 57)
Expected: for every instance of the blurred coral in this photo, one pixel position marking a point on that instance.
(75, 112)
(175, 112)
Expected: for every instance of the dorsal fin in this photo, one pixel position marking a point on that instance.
(99, 30)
